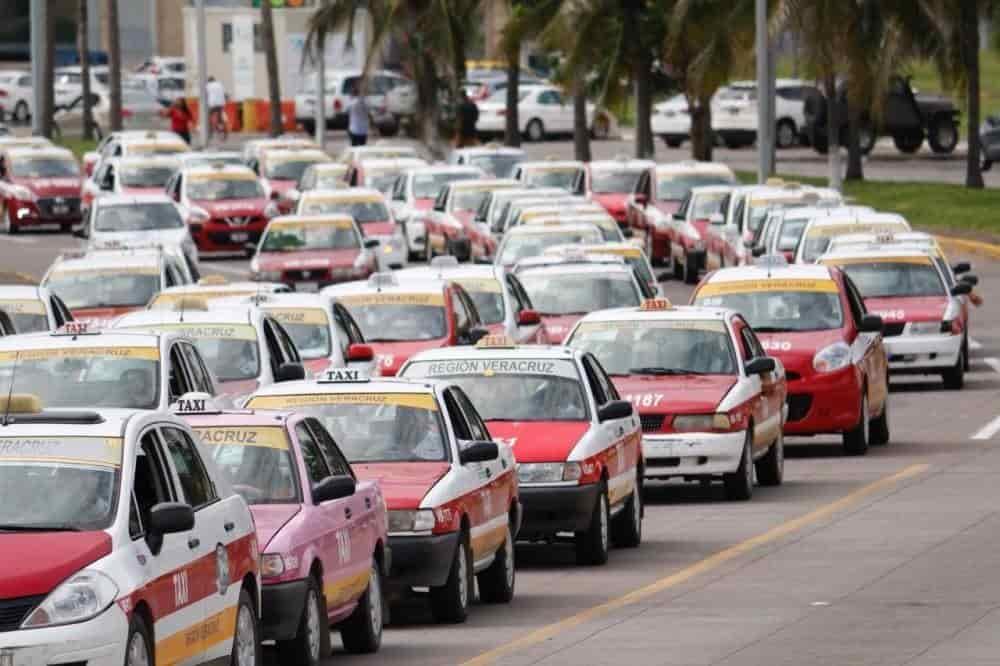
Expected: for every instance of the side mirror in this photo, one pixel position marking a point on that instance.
(360, 352)
(290, 372)
(528, 318)
(478, 452)
(473, 335)
(641, 199)
(627, 232)
(167, 518)
(371, 243)
(961, 267)
(758, 251)
(275, 195)
(760, 365)
(970, 279)
(333, 488)
(614, 410)
(961, 289)
(871, 324)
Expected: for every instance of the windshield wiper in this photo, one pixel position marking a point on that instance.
(663, 371)
(40, 528)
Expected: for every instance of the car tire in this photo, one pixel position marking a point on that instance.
(908, 142)
(139, 646)
(954, 377)
(627, 525)
(675, 265)
(312, 638)
(361, 632)
(593, 543)
(739, 484)
(673, 142)
(21, 114)
(690, 269)
(942, 136)
(785, 135)
(879, 428)
(246, 634)
(856, 439)
(966, 364)
(450, 602)
(496, 582)
(771, 468)
(535, 130)
(309, 127)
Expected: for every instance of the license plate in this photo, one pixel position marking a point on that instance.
(60, 210)
(239, 237)
(307, 286)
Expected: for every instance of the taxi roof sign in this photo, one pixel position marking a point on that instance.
(21, 403)
(75, 328)
(344, 376)
(195, 403)
(192, 303)
(497, 341)
(656, 305)
(212, 280)
(382, 279)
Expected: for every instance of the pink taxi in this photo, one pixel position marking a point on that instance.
(611, 183)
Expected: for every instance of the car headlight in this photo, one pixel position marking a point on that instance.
(549, 472)
(272, 565)
(84, 596)
(701, 422)
(925, 328)
(420, 520)
(834, 357)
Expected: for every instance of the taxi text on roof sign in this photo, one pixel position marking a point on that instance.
(196, 406)
(344, 375)
(313, 316)
(392, 299)
(74, 328)
(22, 306)
(46, 354)
(98, 451)
(775, 284)
(496, 342)
(199, 330)
(847, 261)
(656, 304)
(490, 367)
(480, 285)
(272, 437)
(20, 403)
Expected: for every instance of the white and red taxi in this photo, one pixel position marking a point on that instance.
(399, 317)
(451, 224)
(548, 173)
(578, 445)
(309, 252)
(39, 185)
(496, 160)
(611, 183)
(694, 243)
(820, 232)
(120, 540)
(452, 493)
(658, 195)
(225, 206)
(212, 287)
(533, 240)
(926, 321)
(370, 210)
(381, 174)
(710, 400)
(632, 255)
(322, 533)
(280, 169)
(136, 175)
(113, 145)
(318, 176)
(413, 194)
(813, 320)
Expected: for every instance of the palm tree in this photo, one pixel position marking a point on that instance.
(114, 67)
(48, 75)
(83, 45)
(271, 57)
(431, 34)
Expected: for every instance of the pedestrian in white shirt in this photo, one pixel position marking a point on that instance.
(357, 118)
(215, 93)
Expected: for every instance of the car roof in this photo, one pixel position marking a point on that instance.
(346, 194)
(375, 385)
(111, 259)
(552, 165)
(860, 218)
(218, 169)
(539, 229)
(794, 271)
(483, 184)
(169, 160)
(213, 291)
(330, 166)
(627, 163)
(426, 285)
(692, 166)
(101, 338)
(283, 154)
(290, 300)
(515, 351)
(490, 149)
(374, 163)
(674, 313)
(39, 150)
(235, 315)
(456, 272)
(711, 189)
(131, 199)
(597, 268)
(112, 424)
(431, 169)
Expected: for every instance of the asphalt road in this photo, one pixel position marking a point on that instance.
(885, 559)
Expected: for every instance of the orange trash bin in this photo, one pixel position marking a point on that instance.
(232, 112)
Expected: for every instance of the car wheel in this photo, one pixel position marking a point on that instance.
(673, 142)
(309, 126)
(592, 544)
(690, 269)
(21, 114)
(879, 428)
(496, 583)
(535, 130)
(771, 468)
(628, 524)
(954, 377)
(675, 265)
(312, 640)
(856, 439)
(908, 142)
(361, 633)
(137, 648)
(942, 136)
(786, 135)
(246, 637)
(450, 602)
(739, 484)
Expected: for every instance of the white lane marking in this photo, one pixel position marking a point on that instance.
(975, 345)
(209, 268)
(993, 363)
(21, 241)
(988, 430)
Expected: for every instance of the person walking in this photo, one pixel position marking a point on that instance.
(358, 118)
(216, 94)
(468, 116)
(180, 119)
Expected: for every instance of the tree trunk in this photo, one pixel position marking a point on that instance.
(512, 123)
(83, 44)
(702, 141)
(833, 131)
(644, 148)
(428, 121)
(970, 57)
(271, 57)
(855, 169)
(581, 132)
(114, 66)
(48, 71)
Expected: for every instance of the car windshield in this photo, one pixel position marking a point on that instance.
(85, 376)
(677, 187)
(399, 321)
(579, 293)
(613, 182)
(468, 199)
(44, 167)
(309, 330)
(883, 279)
(105, 288)
(363, 212)
(330, 180)
(138, 217)
(658, 347)
(561, 178)
(791, 234)
(145, 176)
(256, 461)
(497, 166)
(287, 169)
(231, 352)
(774, 310)
(488, 297)
(293, 236)
(383, 181)
(523, 246)
(29, 316)
(704, 206)
(41, 490)
(428, 185)
(219, 189)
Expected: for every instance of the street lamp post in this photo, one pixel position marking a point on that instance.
(202, 74)
(765, 97)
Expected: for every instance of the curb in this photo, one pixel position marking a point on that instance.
(991, 250)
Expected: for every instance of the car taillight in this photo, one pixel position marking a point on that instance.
(337, 105)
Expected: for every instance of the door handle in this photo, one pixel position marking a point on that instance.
(368, 502)
(229, 526)
(193, 543)
(347, 512)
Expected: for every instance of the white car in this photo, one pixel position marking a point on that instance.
(135, 175)
(671, 121)
(111, 145)
(530, 241)
(563, 174)
(384, 88)
(542, 111)
(495, 160)
(413, 195)
(17, 96)
(173, 65)
(734, 112)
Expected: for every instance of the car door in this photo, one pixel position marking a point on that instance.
(620, 436)
(764, 388)
(867, 349)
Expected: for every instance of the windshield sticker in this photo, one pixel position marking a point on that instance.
(824, 230)
(713, 325)
(117, 270)
(312, 316)
(345, 199)
(225, 175)
(216, 331)
(414, 400)
(480, 285)
(332, 223)
(269, 438)
(775, 284)
(22, 307)
(175, 296)
(488, 367)
(101, 451)
(139, 353)
(392, 299)
(915, 261)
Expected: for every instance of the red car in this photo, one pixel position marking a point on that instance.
(813, 320)
(658, 196)
(225, 206)
(399, 318)
(280, 169)
(308, 252)
(39, 185)
(451, 226)
(611, 183)
(369, 209)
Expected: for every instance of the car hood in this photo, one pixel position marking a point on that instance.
(558, 326)
(539, 441)
(270, 518)
(613, 202)
(914, 308)
(796, 350)
(233, 207)
(403, 484)
(35, 563)
(682, 394)
(169, 237)
(392, 355)
(306, 259)
(141, 191)
(379, 228)
(51, 187)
